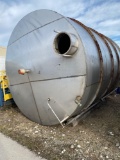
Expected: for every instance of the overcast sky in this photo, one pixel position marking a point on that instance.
(102, 15)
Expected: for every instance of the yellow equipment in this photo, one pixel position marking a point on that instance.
(4, 86)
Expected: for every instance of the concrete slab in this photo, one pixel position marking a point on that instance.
(11, 150)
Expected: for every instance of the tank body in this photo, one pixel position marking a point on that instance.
(64, 66)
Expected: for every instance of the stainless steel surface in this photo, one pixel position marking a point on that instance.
(64, 62)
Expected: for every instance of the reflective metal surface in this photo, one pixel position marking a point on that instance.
(57, 67)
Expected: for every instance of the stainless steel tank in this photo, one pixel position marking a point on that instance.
(57, 67)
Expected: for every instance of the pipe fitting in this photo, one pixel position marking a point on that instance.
(66, 44)
(23, 71)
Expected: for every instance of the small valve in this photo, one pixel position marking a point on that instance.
(23, 71)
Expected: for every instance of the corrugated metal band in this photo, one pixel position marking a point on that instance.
(99, 52)
(118, 59)
(112, 60)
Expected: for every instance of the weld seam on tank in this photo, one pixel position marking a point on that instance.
(35, 101)
(34, 30)
(50, 79)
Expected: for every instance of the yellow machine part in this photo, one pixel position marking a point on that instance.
(4, 85)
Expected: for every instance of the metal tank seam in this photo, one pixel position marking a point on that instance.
(34, 100)
(51, 79)
(34, 30)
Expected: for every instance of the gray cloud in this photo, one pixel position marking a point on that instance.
(104, 16)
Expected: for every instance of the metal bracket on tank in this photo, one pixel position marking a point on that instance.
(84, 112)
(61, 122)
(56, 31)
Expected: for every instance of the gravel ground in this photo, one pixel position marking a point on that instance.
(97, 137)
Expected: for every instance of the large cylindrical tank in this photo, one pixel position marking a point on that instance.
(57, 67)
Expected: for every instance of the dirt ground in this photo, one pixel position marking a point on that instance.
(97, 137)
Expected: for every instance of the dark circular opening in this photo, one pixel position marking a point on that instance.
(62, 43)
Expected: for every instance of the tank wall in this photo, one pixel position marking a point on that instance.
(107, 70)
(115, 64)
(93, 66)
